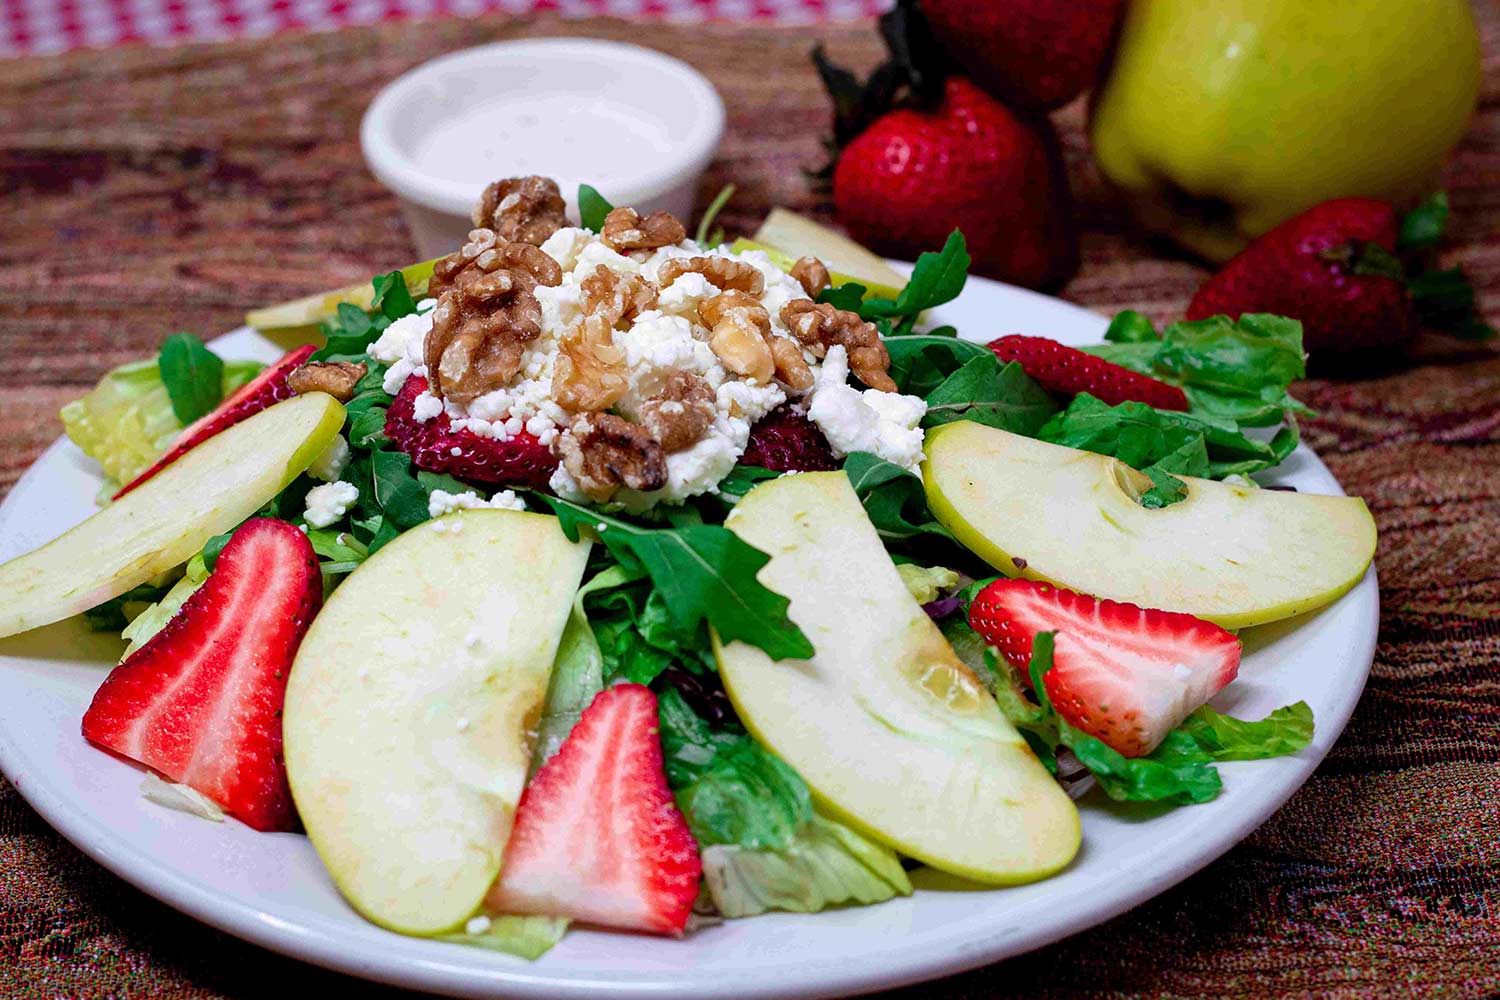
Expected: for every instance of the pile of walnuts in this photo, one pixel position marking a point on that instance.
(487, 312)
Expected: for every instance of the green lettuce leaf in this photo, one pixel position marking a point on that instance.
(825, 864)
(593, 207)
(1229, 369)
(926, 583)
(921, 362)
(526, 937)
(987, 392)
(730, 789)
(193, 375)
(702, 572)
(1180, 771)
(1285, 731)
(127, 421)
(894, 498)
(1165, 441)
(155, 617)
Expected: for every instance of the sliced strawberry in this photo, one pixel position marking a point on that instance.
(435, 446)
(784, 440)
(1069, 371)
(597, 836)
(201, 701)
(249, 399)
(1125, 674)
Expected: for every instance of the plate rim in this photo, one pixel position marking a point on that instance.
(818, 976)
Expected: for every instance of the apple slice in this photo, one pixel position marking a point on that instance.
(168, 518)
(892, 732)
(1233, 555)
(796, 235)
(308, 312)
(412, 706)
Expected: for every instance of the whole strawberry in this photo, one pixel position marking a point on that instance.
(914, 175)
(1348, 270)
(1034, 53)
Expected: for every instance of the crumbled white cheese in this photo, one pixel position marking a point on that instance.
(403, 338)
(329, 502)
(425, 407)
(564, 245)
(442, 502)
(477, 925)
(884, 423)
(330, 464)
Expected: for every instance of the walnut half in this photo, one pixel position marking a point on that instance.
(522, 209)
(337, 378)
(811, 274)
(485, 315)
(604, 452)
(681, 413)
(820, 326)
(624, 230)
(721, 272)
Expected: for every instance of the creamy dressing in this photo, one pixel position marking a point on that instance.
(570, 137)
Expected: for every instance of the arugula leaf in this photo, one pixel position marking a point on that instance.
(349, 333)
(1131, 327)
(730, 790)
(193, 376)
(1142, 436)
(1287, 730)
(592, 208)
(637, 639)
(894, 498)
(337, 546)
(937, 278)
(400, 496)
(741, 480)
(392, 298)
(921, 362)
(704, 572)
(367, 428)
(988, 393)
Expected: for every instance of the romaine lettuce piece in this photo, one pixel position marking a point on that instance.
(126, 422)
(526, 937)
(826, 864)
(155, 617)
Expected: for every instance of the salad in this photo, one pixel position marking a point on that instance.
(602, 575)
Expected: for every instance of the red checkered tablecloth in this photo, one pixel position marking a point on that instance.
(43, 27)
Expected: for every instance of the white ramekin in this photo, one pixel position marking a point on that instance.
(437, 208)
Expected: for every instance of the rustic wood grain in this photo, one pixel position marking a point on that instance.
(146, 191)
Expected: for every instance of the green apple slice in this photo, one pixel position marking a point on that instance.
(313, 309)
(797, 236)
(1235, 555)
(412, 706)
(163, 522)
(892, 732)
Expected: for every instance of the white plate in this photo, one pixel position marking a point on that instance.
(271, 889)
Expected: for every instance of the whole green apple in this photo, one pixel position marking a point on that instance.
(1223, 119)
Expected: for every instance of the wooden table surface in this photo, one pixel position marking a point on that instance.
(147, 191)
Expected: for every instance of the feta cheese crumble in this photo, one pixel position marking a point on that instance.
(442, 502)
(329, 502)
(330, 464)
(885, 423)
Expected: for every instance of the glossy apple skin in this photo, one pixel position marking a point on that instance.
(1221, 120)
(892, 732)
(1233, 555)
(167, 520)
(411, 709)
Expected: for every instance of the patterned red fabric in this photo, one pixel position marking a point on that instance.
(43, 27)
